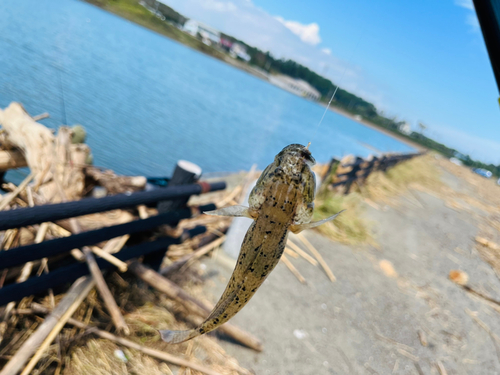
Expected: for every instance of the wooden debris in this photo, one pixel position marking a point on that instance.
(487, 243)
(423, 338)
(414, 358)
(102, 287)
(10, 159)
(230, 197)
(418, 368)
(45, 334)
(483, 325)
(302, 253)
(113, 183)
(194, 255)
(9, 197)
(122, 266)
(41, 116)
(440, 367)
(291, 253)
(151, 352)
(49, 160)
(292, 269)
(318, 256)
(400, 345)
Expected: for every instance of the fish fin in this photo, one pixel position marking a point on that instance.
(176, 337)
(234, 211)
(297, 228)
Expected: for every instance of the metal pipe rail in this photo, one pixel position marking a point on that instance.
(52, 212)
(21, 255)
(34, 285)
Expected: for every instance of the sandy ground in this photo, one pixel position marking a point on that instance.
(376, 320)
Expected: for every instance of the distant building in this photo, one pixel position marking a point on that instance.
(238, 50)
(295, 86)
(226, 43)
(208, 34)
(405, 128)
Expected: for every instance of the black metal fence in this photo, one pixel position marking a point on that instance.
(341, 175)
(71, 270)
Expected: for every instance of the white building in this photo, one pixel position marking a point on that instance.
(208, 34)
(295, 86)
(238, 50)
(405, 128)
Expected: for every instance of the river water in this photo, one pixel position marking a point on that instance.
(147, 101)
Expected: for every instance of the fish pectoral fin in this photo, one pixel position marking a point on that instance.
(297, 228)
(234, 211)
(176, 337)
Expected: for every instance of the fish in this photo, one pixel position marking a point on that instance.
(281, 201)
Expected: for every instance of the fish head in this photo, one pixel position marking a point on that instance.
(293, 159)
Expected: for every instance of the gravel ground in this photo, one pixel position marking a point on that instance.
(392, 310)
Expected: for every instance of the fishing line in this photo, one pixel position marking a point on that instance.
(63, 102)
(336, 88)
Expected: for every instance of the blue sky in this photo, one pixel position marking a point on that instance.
(415, 60)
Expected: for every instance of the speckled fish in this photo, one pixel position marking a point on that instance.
(282, 200)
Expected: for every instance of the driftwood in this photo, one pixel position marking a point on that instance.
(47, 159)
(51, 326)
(9, 197)
(194, 306)
(122, 266)
(41, 116)
(10, 159)
(113, 183)
(194, 255)
(105, 293)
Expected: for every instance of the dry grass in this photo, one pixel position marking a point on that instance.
(146, 311)
(380, 187)
(349, 227)
(419, 172)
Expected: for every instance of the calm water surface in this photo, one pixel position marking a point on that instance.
(147, 101)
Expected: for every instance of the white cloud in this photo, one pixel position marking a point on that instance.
(307, 33)
(473, 21)
(471, 18)
(218, 6)
(326, 51)
(467, 4)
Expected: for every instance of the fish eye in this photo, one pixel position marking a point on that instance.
(309, 160)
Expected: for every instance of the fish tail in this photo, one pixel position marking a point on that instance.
(176, 337)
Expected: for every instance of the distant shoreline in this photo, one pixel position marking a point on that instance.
(337, 110)
(379, 129)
